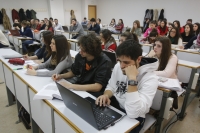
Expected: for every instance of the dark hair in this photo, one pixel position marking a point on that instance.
(191, 29)
(62, 48)
(74, 19)
(138, 25)
(121, 21)
(42, 21)
(111, 20)
(130, 49)
(24, 22)
(165, 25)
(85, 18)
(50, 18)
(37, 20)
(128, 35)
(99, 19)
(50, 24)
(47, 35)
(93, 20)
(165, 53)
(171, 24)
(178, 23)
(55, 19)
(90, 44)
(177, 36)
(107, 35)
(198, 30)
(190, 20)
(153, 33)
(153, 22)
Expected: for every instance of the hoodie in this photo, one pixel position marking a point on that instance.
(138, 103)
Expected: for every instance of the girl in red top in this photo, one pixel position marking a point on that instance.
(178, 25)
(163, 28)
(49, 26)
(108, 42)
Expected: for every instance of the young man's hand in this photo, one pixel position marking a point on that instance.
(103, 100)
(131, 72)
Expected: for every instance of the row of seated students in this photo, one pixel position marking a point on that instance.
(130, 86)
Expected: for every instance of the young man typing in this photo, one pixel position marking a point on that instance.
(133, 84)
(91, 69)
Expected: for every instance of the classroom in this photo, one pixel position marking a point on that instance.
(92, 66)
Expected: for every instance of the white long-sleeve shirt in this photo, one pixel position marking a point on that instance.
(137, 103)
(170, 69)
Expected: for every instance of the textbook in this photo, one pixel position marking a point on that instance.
(168, 83)
(49, 92)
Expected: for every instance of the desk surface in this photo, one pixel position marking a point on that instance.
(186, 50)
(122, 126)
(72, 40)
(189, 64)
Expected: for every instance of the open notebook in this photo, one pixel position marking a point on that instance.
(49, 92)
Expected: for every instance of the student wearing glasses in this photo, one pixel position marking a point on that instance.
(175, 38)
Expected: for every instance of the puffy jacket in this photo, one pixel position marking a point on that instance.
(22, 15)
(15, 15)
(6, 20)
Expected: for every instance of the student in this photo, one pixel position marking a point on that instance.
(45, 20)
(99, 22)
(178, 25)
(32, 24)
(94, 26)
(59, 61)
(188, 33)
(136, 28)
(57, 26)
(91, 69)
(3, 40)
(42, 24)
(152, 25)
(163, 28)
(196, 28)
(52, 22)
(170, 26)
(16, 23)
(159, 22)
(84, 22)
(28, 33)
(112, 23)
(108, 42)
(152, 37)
(76, 27)
(175, 37)
(128, 36)
(133, 84)
(119, 27)
(189, 21)
(49, 26)
(44, 52)
(37, 24)
(167, 60)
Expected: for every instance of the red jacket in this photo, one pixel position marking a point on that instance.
(162, 33)
(181, 30)
(112, 47)
(38, 27)
(15, 15)
(119, 27)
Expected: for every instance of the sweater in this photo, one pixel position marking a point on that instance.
(77, 28)
(163, 32)
(3, 39)
(186, 38)
(66, 63)
(137, 103)
(170, 69)
(180, 43)
(96, 28)
(146, 34)
(27, 32)
(138, 31)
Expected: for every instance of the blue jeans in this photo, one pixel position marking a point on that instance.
(25, 45)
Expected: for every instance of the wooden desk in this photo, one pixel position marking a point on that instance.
(56, 117)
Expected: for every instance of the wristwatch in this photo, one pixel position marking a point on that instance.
(132, 82)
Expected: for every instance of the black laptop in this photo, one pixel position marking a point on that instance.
(65, 28)
(98, 117)
(112, 56)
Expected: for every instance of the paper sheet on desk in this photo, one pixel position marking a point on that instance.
(171, 84)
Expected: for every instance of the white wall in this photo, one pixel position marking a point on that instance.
(130, 10)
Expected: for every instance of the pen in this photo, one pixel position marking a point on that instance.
(17, 68)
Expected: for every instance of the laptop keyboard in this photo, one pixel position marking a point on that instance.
(101, 118)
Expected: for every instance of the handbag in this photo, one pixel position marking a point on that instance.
(16, 61)
(24, 117)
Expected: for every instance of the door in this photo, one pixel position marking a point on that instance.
(92, 11)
